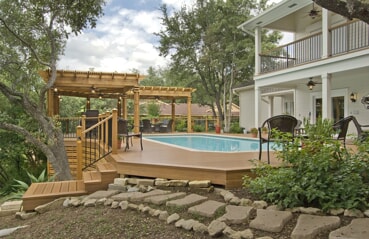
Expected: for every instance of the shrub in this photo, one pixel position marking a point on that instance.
(321, 173)
(181, 126)
(235, 128)
(198, 128)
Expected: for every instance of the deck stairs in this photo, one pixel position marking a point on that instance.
(41, 193)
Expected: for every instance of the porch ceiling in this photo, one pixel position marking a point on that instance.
(281, 17)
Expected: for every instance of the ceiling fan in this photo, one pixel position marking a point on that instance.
(314, 12)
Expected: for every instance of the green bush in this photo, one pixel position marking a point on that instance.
(198, 128)
(181, 126)
(321, 173)
(235, 128)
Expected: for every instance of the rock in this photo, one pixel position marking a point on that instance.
(207, 208)
(173, 218)
(245, 202)
(8, 231)
(25, 215)
(163, 215)
(270, 221)
(161, 182)
(114, 205)
(274, 208)
(200, 227)
(11, 205)
(179, 223)
(89, 202)
(117, 187)
(75, 202)
(123, 205)
(366, 213)
(121, 181)
(49, 206)
(247, 234)
(216, 228)
(353, 213)
(336, 212)
(132, 181)
(309, 226)
(358, 229)
(228, 196)
(310, 210)
(132, 206)
(145, 182)
(235, 201)
(230, 233)
(199, 184)
(188, 224)
(108, 202)
(259, 204)
(100, 202)
(236, 214)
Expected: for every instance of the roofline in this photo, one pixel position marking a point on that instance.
(272, 14)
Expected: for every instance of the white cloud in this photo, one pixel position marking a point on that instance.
(121, 42)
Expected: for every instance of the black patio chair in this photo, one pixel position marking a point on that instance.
(92, 118)
(341, 128)
(124, 131)
(282, 123)
(146, 126)
(166, 126)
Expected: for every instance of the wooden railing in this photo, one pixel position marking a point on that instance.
(344, 39)
(96, 142)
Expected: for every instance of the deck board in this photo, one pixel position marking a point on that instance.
(163, 161)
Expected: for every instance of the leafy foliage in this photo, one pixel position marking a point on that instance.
(321, 173)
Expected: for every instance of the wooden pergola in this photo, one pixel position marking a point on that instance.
(113, 85)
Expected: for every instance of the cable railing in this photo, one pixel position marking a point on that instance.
(344, 39)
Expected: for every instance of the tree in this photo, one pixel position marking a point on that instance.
(348, 8)
(34, 34)
(207, 50)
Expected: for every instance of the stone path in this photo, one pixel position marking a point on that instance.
(223, 214)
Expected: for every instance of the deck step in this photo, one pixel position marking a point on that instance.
(41, 193)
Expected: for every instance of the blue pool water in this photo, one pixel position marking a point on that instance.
(209, 142)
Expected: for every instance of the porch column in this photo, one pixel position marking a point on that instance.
(257, 50)
(326, 96)
(326, 36)
(271, 106)
(136, 97)
(88, 103)
(257, 106)
(119, 106)
(173, 114)
(124, 107)
(189, 126)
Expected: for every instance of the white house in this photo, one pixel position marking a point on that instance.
(328, 50)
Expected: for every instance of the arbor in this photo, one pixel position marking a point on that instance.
(33, 36)
(348, 8)
(207, 50)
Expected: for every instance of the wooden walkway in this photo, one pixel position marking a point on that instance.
(163, 161)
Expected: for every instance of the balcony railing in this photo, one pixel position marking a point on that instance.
(344, 39)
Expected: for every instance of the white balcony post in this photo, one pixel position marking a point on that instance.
(326, 35)
(257, 50)
(257, 106)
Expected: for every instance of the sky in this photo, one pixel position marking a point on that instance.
(123, 39)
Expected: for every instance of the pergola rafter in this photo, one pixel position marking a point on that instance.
(113, 85)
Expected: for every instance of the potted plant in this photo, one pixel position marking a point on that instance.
(264, 131)
(120, 139)
(254, 132)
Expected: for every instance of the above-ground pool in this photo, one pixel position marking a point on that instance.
(210, 143)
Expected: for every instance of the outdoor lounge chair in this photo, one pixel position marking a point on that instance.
(282, 123)
(341, 127)
(124, 131)
(166, 127)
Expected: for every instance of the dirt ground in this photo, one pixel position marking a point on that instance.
(104, 222)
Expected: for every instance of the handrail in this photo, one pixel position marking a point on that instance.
(96, 142)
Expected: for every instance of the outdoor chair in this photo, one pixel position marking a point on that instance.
(124, 131)
(282, 123)
(146, 126)
(341, 128)
(166, 126)
(91, 120)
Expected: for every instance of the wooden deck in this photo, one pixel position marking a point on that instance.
(163, 161)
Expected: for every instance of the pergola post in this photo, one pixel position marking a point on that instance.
(189, 120)
(173, 114)
(88, 103)
(124, 107)
(50, 102)
(136, 98)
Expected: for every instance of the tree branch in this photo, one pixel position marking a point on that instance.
(350, 8)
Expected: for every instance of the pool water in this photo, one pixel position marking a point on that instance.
(209, 142)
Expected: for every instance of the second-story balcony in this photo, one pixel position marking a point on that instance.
(343, 39)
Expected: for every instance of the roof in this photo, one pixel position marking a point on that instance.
(196, 109)
(275, 17)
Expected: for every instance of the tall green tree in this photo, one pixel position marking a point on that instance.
(207, 50)
(33, 36)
